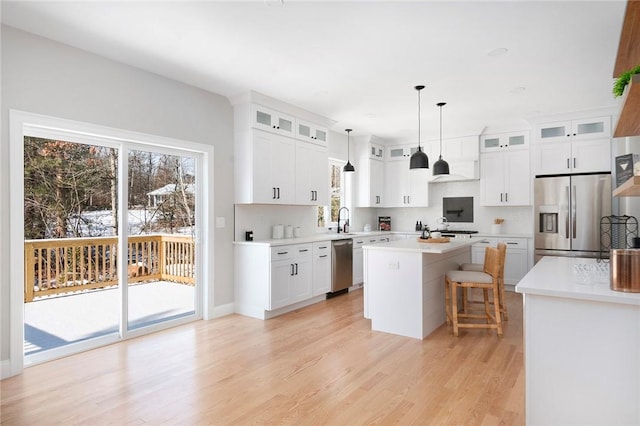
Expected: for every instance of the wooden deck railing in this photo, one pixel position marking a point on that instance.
(69, 265)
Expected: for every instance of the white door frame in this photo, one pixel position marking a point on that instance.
(24, 123)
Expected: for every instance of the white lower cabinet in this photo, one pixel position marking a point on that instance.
(290, 275)
(321, 268)
(272, 278)
(517, 259)
(358, 263)
(358, 255)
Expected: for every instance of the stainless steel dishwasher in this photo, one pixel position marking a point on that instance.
(341, 265)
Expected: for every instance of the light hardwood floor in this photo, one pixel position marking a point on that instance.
(318, 365)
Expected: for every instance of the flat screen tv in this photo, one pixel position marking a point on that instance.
(458, 209)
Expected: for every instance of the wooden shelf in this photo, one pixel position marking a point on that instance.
(628, 122)
(629, 46)
(630, 188)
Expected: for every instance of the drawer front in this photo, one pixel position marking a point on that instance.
(281, 253)
(323, 247)
(359, 242)
(515, 243)
(302, 250)
(485, 242)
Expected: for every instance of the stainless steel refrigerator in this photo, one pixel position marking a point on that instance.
(567, 212)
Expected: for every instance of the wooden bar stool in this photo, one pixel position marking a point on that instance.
(486, 280)
(479, 267)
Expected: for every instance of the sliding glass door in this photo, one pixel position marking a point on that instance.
(161, 228)
(109, 242)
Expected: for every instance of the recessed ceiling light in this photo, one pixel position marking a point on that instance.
(498, 51)
(370, 115)
(518, 89)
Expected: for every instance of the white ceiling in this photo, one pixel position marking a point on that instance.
(357, 62)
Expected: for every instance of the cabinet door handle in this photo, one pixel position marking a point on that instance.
(283, 252)
(506, 197)
(501, 197)
(574, 162)
(278, 193)
(515, 244)
(291, 269)
(322, 247)
(274, 193)
(303, 250)
(296, 269)
(324, 255)
(568, 164)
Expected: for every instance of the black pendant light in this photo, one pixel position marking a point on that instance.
(348, 167)
(419, 159)
(440, 167)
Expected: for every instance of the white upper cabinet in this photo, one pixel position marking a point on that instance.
(457, 149)
(401, 152)
(271, 179)
(311, 132)
(586, 128)
(279, 157)
(369, 174)
(273, 121)
(573, 146)
(405, 187)
(312, 174)
(578, 156)
(502, 141)
(505, 179)
(375, 151)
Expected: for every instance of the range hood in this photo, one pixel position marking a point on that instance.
(460, 170)
(463, 155)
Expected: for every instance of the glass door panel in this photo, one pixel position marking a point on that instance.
(161, 237)
(70, 239)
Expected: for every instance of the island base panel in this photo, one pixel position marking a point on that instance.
(406, 290)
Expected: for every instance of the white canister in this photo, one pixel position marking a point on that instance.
(277, 232)
(296, 232)
(288, 231)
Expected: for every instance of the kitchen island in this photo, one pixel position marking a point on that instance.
(404, 284)
(582, 345)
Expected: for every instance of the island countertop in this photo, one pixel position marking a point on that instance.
(413, 245)
(562, 277)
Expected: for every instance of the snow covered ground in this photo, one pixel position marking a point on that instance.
(100, 223)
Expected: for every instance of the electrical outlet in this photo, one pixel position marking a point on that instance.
(393, 265)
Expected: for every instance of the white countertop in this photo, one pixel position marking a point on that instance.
(311, 238)
(572, 278)
(413, 245)
(334, 236)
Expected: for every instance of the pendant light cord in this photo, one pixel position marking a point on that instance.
(440, 131)
(419, 119)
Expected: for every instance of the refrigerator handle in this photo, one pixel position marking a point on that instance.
(566, 221)
(573, 212)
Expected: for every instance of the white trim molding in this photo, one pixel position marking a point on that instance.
(21, 123)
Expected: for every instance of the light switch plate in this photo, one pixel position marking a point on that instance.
(221, 222)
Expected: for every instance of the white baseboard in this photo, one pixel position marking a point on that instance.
(221, 311)
(5, 369)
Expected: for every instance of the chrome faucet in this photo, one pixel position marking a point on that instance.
(339, 213)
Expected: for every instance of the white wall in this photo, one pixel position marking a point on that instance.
(45, 77)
